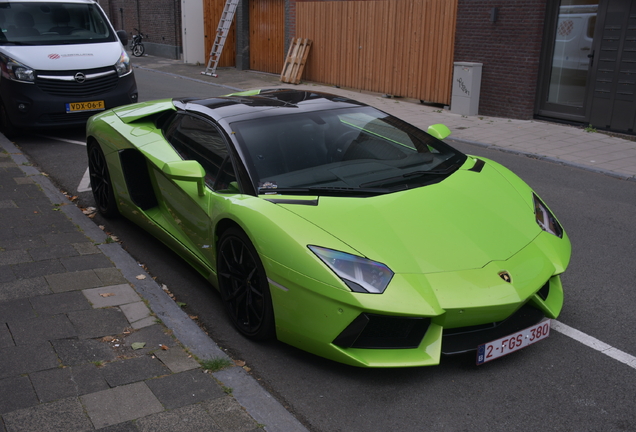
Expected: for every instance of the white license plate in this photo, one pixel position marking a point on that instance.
(514, 342)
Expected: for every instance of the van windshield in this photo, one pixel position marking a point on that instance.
(52, 23)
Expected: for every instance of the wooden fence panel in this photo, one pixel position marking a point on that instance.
(212, 10)
(267, 35)
(403, 48)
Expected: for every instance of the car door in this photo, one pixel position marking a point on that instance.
(183, 205)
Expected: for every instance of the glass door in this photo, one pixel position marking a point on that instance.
(568, 56)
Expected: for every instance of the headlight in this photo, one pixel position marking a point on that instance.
(545, 219)
(360, 274)
(123, 64)
(17, 71)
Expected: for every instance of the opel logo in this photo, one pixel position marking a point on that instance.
(80, 77)
(505, 276)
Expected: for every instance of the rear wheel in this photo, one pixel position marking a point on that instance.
(244, 287)
(138, 50)
(100, 182)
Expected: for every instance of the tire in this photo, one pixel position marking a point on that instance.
(138, 50)
(6, 126)
(244, 287)
(101, 185)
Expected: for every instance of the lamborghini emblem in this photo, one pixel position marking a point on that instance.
(505, 276)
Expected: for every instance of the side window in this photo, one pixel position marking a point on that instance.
(197, 139)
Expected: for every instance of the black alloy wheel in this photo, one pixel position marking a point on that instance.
(100, 182)
(244, 287)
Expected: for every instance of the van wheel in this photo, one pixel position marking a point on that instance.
(8, 129)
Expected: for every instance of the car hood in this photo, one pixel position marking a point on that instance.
(464, 222)
(66, 57)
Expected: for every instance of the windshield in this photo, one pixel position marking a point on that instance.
(44, 23)
(353, 150)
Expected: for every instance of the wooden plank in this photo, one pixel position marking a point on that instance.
(296, 60)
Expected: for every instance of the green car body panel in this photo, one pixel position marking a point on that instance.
(446, 243)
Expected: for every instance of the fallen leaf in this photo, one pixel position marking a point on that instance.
(107, 294)
(141, 277)
(108, 338)
(240, 363)
(164, 347)
(115, 238)
(194, 317)
(138, 345)
(247, 369)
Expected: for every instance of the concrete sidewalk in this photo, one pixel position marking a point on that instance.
(89, 341)
(571, 145)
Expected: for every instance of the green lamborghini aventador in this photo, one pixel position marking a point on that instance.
(335, 227)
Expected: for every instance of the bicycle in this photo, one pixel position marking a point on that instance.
(136, 46)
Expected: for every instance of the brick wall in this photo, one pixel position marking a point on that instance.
(508, 48)
(160, 19)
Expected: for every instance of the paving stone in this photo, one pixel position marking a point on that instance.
(6, 340)
(38, 268)
(73, 281)
(14, 257)
(27, 358)
(60, 416)
(86, 262)
(185, 388)
(16, 393)
(66, 237)
(6, 274)
(133, 370)
(23, 288)
(16, 309)
(75, 352)
(52, 252)
(113, 295)
(185, 419)
(230, 415)
(86, 248)
(28, 228)
(153, 336)
(53, 304)
(60, 383)
(120, 404)
(177, 359)
(40, 329)
(98, 322)
(25, 243)
(128, 426)
(145, 322)
(136, 311)
(110, 276)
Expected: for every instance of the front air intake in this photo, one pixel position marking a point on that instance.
(372, 331)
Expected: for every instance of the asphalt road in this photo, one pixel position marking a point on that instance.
(558, 384)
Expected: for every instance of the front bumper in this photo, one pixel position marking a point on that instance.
(29, 106)
(420, 317)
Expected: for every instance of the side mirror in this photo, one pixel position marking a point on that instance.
(123, 37)
(187, 170)
(439, 131)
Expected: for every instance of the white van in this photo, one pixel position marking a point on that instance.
(61, 62)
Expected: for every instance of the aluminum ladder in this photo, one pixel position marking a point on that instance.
(221, 35)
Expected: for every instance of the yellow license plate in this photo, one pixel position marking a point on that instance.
(85, 106)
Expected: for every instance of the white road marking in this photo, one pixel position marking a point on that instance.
(595, 344)
(85, 184)
(82, 143)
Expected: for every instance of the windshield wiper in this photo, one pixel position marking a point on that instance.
(396, 179)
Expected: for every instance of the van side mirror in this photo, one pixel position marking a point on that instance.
(123, 37)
